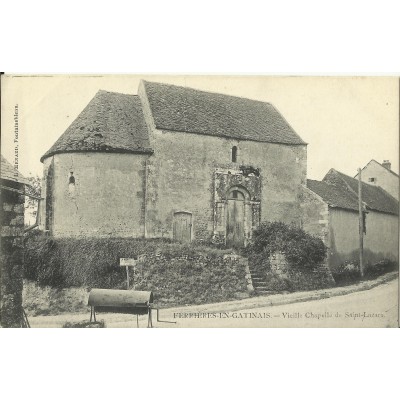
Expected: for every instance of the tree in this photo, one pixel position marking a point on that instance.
(34, 189)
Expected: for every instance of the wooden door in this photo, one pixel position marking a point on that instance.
(183, 227)
(235, 223)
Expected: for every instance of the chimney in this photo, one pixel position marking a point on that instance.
(386, 164)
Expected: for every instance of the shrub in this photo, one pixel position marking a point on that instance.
(302, 251)
(380, 268)
(299, 247)
(346, 273)
(177, 273)
(349, 272)
(42, 261)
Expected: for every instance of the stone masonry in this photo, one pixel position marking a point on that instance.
(12, 229)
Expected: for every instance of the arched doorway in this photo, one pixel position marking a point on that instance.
(235, 214)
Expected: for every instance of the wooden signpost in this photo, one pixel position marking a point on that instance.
(130, 262)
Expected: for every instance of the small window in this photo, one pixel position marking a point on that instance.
(371, 179)
(234, 154)
(71, 185)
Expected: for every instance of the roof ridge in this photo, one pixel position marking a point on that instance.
(356, 180)
(338, 173)
(342, 198)
(369, 162)
(394, 173)
(321, 181)
(186, 109)
(210, 92)
(119, 93)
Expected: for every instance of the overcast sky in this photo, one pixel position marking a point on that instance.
(345, 121)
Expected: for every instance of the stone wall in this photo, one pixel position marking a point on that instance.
(314, 215)
(300, 277)
(181, 177)
(136, 195)
(177, 274)
(12, 229)
(192, 278)
(106, 198)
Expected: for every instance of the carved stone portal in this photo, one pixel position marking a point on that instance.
(237, 208)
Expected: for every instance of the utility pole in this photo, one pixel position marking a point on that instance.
(361, 223)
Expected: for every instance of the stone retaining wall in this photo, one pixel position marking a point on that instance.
(300, 277)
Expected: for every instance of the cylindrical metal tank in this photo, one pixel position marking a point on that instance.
(120, 301)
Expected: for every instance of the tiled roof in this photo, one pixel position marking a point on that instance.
(182, 109)
(111, 122)
(8, 172)
(333, 195)
(340, 190)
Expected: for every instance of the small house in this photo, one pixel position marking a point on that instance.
(381, 175)
(331, 212)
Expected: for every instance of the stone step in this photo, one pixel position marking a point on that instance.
(258, 281)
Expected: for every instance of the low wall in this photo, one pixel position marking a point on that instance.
(300, 277)
(177, 274)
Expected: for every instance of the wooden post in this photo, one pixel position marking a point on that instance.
(361, 223)
(129, 262)
(127, 278)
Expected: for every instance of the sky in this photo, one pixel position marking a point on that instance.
(346, 121)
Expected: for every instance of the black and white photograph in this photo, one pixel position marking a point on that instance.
(217, 181)
(185, 201)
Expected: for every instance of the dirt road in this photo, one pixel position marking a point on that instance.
(376, 307)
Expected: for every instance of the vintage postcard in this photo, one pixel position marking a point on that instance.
(199, 201)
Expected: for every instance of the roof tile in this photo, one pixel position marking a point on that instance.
(111, 122)
(9, 173)
(340, 190)
(182, 109)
